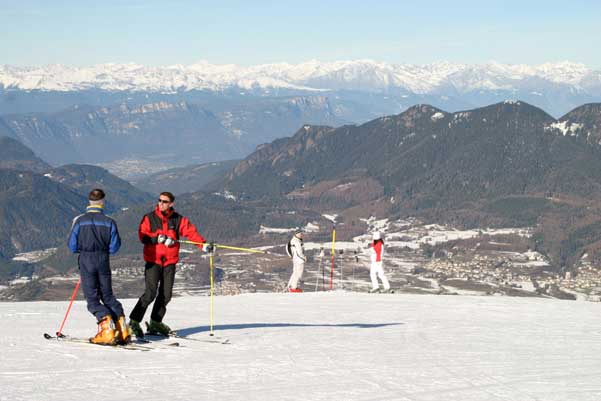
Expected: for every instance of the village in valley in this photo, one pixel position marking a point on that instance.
(420, 258)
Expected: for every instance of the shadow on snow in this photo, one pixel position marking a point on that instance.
(200, 329)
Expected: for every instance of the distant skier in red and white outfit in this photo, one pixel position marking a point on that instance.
(376, 251)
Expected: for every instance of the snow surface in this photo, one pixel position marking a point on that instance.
(318, 346)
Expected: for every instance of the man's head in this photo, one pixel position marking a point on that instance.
(166, 201)
(96, 197)
(299, 234)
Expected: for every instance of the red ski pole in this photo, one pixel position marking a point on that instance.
(59, 332)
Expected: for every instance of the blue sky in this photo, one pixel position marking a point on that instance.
(254, 32)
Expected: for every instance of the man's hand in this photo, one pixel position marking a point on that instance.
(208, 247)
(169, 242)
(161, 238)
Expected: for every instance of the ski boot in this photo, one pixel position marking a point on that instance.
(374, 291)
(123, 331)
(106, 333)
(159, 328)
(135, 328)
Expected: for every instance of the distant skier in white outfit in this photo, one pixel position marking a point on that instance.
(296, 251)
(376, 251)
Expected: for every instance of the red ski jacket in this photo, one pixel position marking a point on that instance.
(172, 225)
(377, 248)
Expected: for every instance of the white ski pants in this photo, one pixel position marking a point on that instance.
(297, 273)
(377, 269)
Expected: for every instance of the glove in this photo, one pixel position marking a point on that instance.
(208, 248)
(161, 238)
(169, 242)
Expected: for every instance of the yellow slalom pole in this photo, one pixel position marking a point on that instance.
(333, 255)
(211, 274)
(215, 246)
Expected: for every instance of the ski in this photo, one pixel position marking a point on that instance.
(65, 338)
(390, 291)
(204, 340)
(217, 340)
(175, 335)
(147, 341)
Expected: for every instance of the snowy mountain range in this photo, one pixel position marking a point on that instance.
(364, 75)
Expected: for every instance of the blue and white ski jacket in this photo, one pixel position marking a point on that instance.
(94, 232)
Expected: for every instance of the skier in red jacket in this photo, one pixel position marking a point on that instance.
(160, 231)
(376, 250)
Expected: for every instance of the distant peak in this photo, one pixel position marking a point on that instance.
(422, 111)
(592, 109)
(511, 105)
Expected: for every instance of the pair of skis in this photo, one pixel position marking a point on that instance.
(136, 345)
(140, 344)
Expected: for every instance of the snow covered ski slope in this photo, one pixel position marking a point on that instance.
(317, 346)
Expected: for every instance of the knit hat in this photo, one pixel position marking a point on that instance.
(96, 194)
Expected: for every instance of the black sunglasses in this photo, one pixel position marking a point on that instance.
(164, 201)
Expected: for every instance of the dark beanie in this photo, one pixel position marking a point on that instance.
(96, 194)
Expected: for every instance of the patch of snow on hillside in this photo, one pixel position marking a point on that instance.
(20, 280)
(311, 228)
(437, 116)
(226, 194)
(565, 127)
(412, 234)
(269, 230)
(34, 256)
(343, 187)
(374, 224)
(331, 217)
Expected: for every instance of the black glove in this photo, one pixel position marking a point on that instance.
(148, 240)
(209, 248)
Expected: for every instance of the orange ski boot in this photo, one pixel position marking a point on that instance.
(106, 333)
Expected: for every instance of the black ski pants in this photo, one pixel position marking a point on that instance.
(159, 284)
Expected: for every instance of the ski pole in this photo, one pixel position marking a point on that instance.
(211, 274)
(356, 261)
(235, 248)
(323, 275)
(333, 254)
(318, 269)
(340, 268)
(59, 332)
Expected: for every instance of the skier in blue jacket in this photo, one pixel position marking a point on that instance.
(94, 237)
